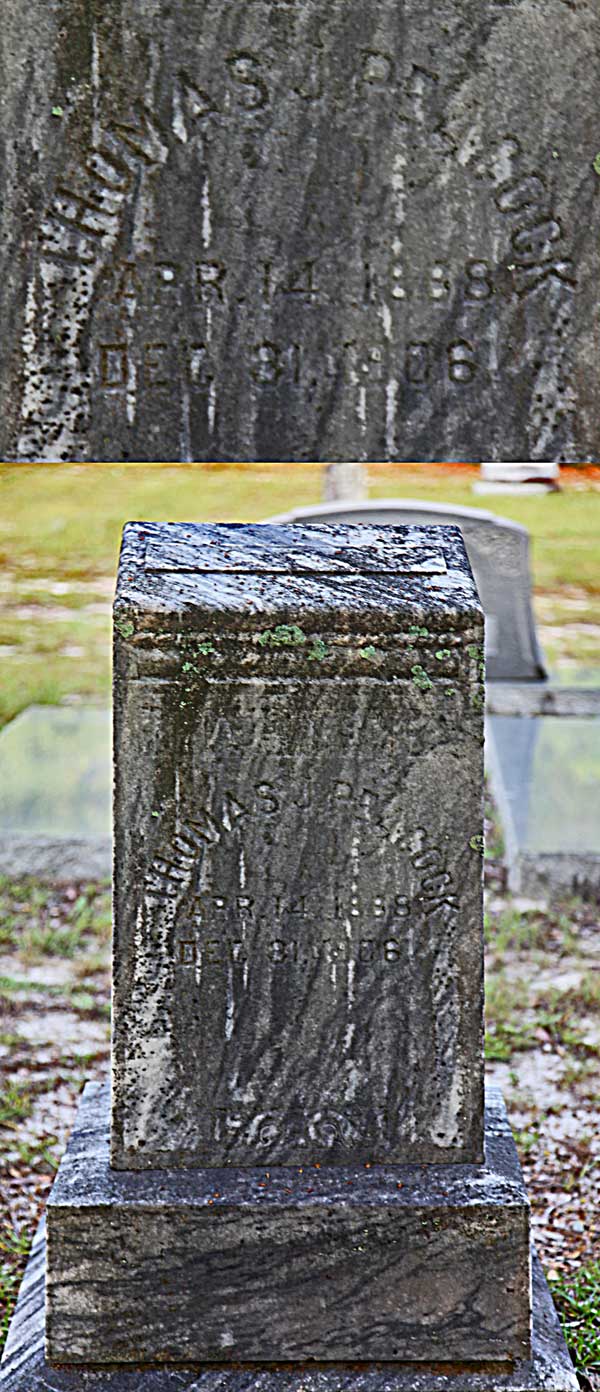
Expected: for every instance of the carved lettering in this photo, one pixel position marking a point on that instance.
(155, 364)
(141, 135)
(114, 365)
(210, 276)
(245, 70)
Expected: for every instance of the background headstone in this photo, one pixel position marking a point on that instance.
(518, 478)
(284, 230)
(345, 483)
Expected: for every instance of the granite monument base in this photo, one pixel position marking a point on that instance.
(24, 1367)
(332, 1262)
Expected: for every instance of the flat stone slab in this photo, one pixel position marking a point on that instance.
(24, 1367)
(286, 1264)
(298, 766)
(317, 230)
(55, 810)
(545, 776)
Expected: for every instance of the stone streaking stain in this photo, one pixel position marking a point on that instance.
(298, 887)
(392, 1263)
(299, 231)
(24, 1367)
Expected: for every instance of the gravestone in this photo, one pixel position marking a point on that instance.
(523, 479)
(293, 230)
(346, 483)
(304, 1184)
(545, 775)
(288, 864)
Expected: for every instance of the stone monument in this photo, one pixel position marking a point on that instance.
(299, 230)
(296, 1183)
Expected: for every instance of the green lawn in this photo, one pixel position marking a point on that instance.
(59, 542)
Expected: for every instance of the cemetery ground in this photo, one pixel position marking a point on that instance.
(59, 535)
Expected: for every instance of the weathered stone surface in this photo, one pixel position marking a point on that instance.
(498, 552)
(254, 1265)
(298, 958)
(284, 230)
(24, 1367)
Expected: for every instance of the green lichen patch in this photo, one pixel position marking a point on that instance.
(205, 649)
(420, 678)
(477, 843)
(318, 651)
(125, 628)
(284, 636)
(369, 654)
(443, 654)
(416, 632)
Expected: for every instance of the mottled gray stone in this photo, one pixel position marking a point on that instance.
(25, 1369)
(298, 229)
(298, 778)
(545, 776)
(252, 1265)
(498, 552)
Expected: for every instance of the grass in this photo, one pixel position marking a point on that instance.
(516, 1011)
(41, 922)
(578, 1302)
(14, 1249)
(15, 1104)
(60, 532)
(529, 929)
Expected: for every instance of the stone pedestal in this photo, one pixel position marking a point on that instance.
(24, 1367)
(333, 1263)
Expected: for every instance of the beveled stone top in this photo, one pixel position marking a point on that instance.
(235, 570)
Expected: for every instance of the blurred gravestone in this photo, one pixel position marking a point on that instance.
(345, 483)
(286, 230)
(55, 810)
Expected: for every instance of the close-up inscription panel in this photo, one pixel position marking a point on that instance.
(298, 875)
(293, 230)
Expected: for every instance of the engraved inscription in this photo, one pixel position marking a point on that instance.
(193, 952)
(537, 235)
